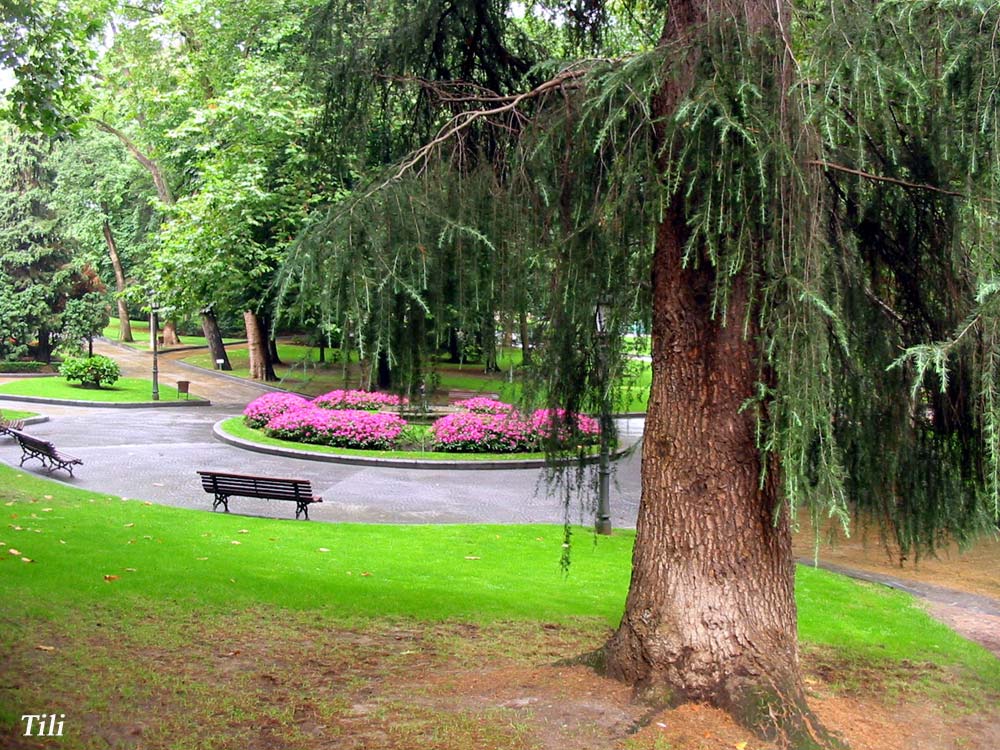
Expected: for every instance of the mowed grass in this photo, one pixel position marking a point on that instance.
(124, 390)
(16, 414)
(85, 548)
(140, 332)
(174, 628)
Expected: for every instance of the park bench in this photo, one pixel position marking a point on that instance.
(224, 486)
(44, 451)
(6, 425)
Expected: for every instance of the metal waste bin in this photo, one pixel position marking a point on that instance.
(183, 386)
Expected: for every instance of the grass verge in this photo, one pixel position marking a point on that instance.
(16, 414)
(125, 390)
(161, 627)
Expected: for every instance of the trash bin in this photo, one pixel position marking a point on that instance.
(183, 386)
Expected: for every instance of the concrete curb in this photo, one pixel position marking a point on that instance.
(391, 463)
(104, 404)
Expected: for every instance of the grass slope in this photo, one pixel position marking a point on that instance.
(76, 540)
(125, 390)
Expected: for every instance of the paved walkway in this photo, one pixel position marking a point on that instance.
(154, 453)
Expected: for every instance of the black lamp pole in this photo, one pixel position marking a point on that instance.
(154, 325)
(603, 521)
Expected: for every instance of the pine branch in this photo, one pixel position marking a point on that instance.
(883, 178)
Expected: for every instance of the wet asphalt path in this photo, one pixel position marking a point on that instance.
(153, 454)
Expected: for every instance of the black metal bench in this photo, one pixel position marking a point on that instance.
(224, 486)
(44, 451)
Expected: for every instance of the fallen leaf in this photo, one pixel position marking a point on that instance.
(661, 725)
(366, 574)
(201, 558)
(129, 525)
(471, 557)
(130, 570)
(110, 578)
(243, 531)
(741, 746)
(231, 653)
(323, 549)
(62, 541)
(13, 551)
(235, 542)
(46, 510)
(26, 559)
(147, 503)
(47, 497)
(40, 647)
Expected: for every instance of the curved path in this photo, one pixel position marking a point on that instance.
(153, 454)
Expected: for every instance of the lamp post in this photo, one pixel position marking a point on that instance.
(154, 325)
(602, 316)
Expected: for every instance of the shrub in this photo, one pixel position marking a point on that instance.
(365, 400)
(343, 428)
(23, 366)
(474, 432)
(483, 405)
(263, 409)
(97, 370)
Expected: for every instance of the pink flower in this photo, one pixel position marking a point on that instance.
(366, 400)
(344, 428)
(264, 408)
(483, 405)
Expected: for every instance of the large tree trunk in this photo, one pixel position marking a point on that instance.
(260, 360)
(170, 337)
(210, 327)
(710, 613)
(124, 324)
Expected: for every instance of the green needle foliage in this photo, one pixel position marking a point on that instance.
(846, 172)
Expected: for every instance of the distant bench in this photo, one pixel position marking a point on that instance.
(44, 451)
(224, 486)
(6, 425)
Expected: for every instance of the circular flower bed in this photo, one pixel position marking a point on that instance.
(351, 419)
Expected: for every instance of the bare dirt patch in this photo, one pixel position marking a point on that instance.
(259, 681)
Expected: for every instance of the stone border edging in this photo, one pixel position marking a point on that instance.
(105, 404)
(390, 463)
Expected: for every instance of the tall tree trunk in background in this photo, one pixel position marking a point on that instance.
(124, 324)
(710, 613)
(44, 353)
(260, 359)
(170, 337)
(210, 326)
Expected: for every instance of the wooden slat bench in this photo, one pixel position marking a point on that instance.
(44, 451)
(6, 425)
(224, 486)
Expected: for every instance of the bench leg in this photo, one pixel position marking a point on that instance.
(301, 509)
(222, 500)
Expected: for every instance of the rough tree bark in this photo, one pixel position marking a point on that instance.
(124, 324)
(260, 360)
(710, 614)
(210, 327)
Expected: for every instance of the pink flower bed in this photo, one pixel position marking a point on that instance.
(566, 427)
(367, 400)
(471, 432)
(343, 428)
(263, 409)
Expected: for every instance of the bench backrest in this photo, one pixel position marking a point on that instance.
(252, 486)
(37, 444)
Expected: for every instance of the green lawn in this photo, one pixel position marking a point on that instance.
(15, 414)
(125, 390)
(209, 630)
(140, 332)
